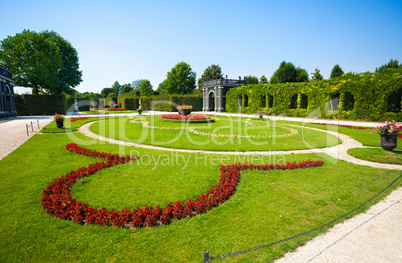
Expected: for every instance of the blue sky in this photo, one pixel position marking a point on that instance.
(129, 40)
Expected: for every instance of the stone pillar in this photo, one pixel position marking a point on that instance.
(221, 98)
(204, 99)
(217, 97)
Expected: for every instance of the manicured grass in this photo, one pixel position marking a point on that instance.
(69, 126)
(267, 206)
(124, 129)
(378, 155)
(111, 111)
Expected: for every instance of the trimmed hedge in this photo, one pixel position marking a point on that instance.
(131, 101)
(27, 105)
(366, 96)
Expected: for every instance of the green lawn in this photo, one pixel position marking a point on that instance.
(266, 207)
(378, 155)
(123, 128)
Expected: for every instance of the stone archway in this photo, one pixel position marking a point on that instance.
(211, 101)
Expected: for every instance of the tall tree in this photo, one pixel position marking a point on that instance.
(116, 87)
(336, 72)
(316, 75)
(126, 88)
(263, 80)
(251, 80)
(391, 64)
(69, 75)
(146, 88)
(180, 79)
(211, 72)
(302, 75)
(137, 84)
(41, 61)
(106, 91)
(285, 73)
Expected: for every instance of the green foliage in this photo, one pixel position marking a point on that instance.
(263, 80)
(136, 85)
(251, 80)
(391, 64)
(146, 88)
(211, 72)
(116, 87)
(316, 75)
(336, 71)
(105, 92)
(28, 105)
(302, 75)
(367, 96)
(42, 61)
(285, 73)
(126, 88)
(180, 79)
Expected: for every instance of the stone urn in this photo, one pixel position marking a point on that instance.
(389, 140)
(59, 123)
(185, 112)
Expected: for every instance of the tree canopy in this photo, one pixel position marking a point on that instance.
(316, 75)
(263, 80)
(336, 72)
(251, 80)
(42, 61)
(391, 64)
(211, 72)
(180, 79)
(287, 72)
(146, 88)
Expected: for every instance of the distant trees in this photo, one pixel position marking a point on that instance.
(251, 80)
(106, 91)
(287, 72)
(146, 88)
(336, 72)
(211, 72)
(126, 88)
(263, 80)
(42, 61)
(316, 75)
(391, 64)
(180, 79)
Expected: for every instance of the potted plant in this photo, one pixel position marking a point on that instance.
(389, 134)
(184, 109)
(59, 118)
(139, 110)
(260, 113)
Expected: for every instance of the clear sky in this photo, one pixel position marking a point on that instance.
(129, 40)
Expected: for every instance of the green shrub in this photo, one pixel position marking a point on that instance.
(40, 104)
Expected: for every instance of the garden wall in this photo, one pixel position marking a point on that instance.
(366, 96)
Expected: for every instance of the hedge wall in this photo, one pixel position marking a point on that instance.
(131, 101)
(366, 96)
(40, 104)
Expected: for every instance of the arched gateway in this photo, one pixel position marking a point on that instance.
(214, 92)
(7, 101)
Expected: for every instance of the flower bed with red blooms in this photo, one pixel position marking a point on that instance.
(57, 200)
(345, 126)
(187, 118)
(73, 119)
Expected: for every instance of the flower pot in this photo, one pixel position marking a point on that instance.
(185, 112)
(139, 112)
(260, 115)
(59, 123)
(389, 140)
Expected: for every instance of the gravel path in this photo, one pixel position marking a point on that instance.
(13, 132)
(374, 236)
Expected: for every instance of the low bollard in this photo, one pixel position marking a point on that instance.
(206, 257)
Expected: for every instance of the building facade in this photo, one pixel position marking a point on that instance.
(214, 93)
(7, 100)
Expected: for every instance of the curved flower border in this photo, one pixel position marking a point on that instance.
(57, 200)
(293, 132)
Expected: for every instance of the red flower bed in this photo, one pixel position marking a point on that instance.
(191, 117)
(73, 119)
(345, 126)
(57, 200)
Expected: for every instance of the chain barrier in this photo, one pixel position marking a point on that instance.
(208, 258)
(31, 125)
